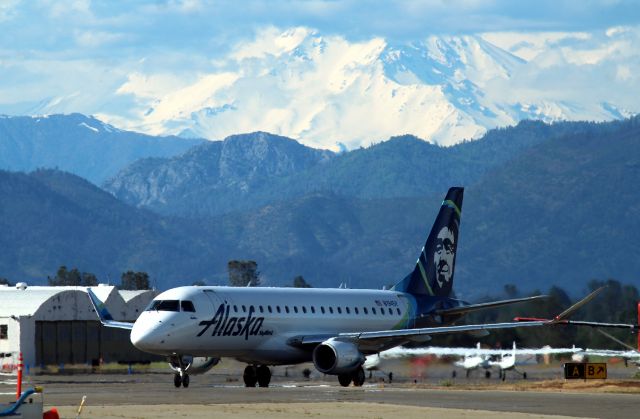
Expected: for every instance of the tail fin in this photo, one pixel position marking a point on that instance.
(433, 273)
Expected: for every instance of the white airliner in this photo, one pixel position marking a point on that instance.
(195, 326)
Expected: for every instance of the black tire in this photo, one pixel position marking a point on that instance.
(454, 374)
(468, 372)
(264, 375)
(177, 380)
(504, 375)
(250, 376)
(185, 381)
(524, 375)
(358, 377)
(344, 379)
(487, 374)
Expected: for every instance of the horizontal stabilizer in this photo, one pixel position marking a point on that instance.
(482, 306)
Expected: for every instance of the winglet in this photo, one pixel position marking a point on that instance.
(103, 314)
(99, 307)
(568, 312)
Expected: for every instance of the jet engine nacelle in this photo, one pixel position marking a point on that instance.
(194, 365)
(337, 357)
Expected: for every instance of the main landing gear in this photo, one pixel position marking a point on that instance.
(253, 375)
(356, 376)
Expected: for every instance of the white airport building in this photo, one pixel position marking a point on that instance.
(58, 326)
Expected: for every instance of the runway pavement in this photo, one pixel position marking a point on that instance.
(157, 389)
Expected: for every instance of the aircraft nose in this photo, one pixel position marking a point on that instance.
(143, 337)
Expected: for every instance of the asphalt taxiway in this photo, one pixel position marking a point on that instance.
(156, 389)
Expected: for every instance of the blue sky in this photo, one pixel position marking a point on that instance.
(119, 59)
(115, 29)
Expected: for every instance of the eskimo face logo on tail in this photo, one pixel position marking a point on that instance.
(444, 256)
(234, 326)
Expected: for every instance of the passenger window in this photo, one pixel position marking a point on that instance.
(331, 310)
(187, 306)
(390, 310)
(278, 309)
(348, 311)
(269, 308)
(339, 310)
(235, 309)
(399, 313)
(295, 309)
(322, 309)
(365, 310)
(244, 309)
(304, 309)
(373, 310)
(261, 309)
(286, 308)
(168, 305)
(313, 309)
(251, 309)
(356, 309)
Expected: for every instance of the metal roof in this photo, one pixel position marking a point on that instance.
(19, 302)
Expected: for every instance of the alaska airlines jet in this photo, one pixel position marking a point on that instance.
(334, 328)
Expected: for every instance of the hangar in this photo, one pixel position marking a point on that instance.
(58, 325)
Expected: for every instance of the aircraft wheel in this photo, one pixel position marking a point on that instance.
(453, 374)
(264, 375)
(177, 380)
(468, 372)
(487, 374)
(504, 376)
(344, 379)
(185, 381)
(524, 375)
(250, 376)
(358, 377)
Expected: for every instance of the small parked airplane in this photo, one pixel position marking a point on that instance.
(334, 328)
(473, 361)
(472, 358)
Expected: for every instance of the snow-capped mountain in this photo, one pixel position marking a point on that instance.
(330, 92)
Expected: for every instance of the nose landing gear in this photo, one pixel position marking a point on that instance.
(180, 378)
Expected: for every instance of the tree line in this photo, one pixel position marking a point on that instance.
(617, 303)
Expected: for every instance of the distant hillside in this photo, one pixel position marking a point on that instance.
(562, 210)
(216, 177)
(78, 144)
(50, 218)
(567, 210)
(252, 170)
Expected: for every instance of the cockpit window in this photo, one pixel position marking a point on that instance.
(164, 305)
(187, 306)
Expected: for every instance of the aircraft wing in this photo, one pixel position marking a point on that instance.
(611, 353)
(103, 314)
(376, 341)
(400, 352)
(482, 306)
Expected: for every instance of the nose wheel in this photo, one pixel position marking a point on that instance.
(181, 380)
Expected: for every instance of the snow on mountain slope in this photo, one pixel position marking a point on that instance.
(330, 92)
